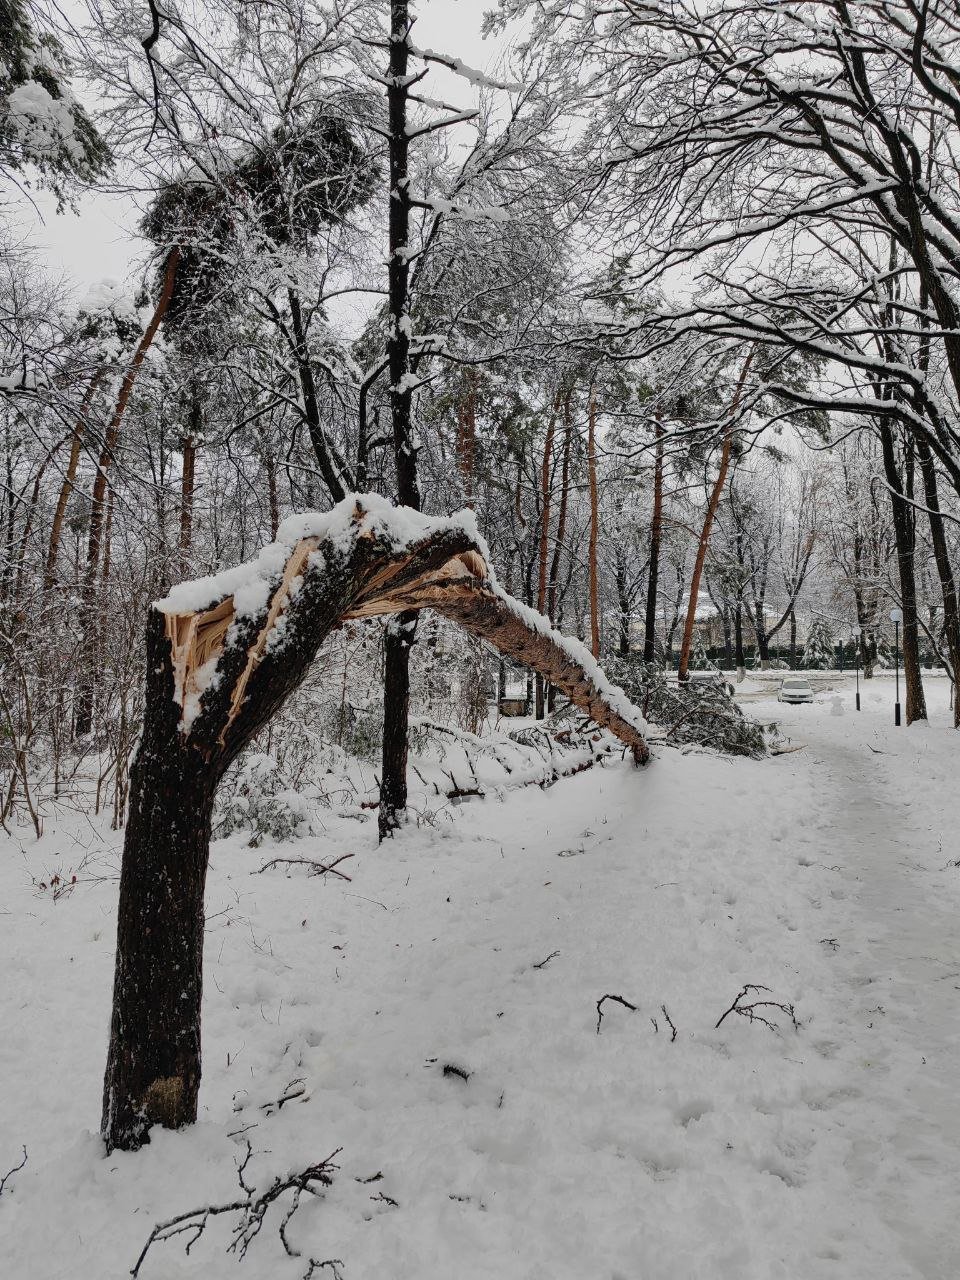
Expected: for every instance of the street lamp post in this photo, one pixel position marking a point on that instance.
(857, 641)
(896, 617)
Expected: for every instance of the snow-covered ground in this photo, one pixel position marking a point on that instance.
(482, 943)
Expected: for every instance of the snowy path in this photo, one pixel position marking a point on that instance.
(898, 951)
(483, 940)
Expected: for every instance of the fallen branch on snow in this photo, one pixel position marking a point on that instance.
(316, 868)
(252, 1209)
(749, 1011)
(295, 1089)
(619, 999)
(333, 1263)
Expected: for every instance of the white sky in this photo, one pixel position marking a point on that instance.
(99, 242)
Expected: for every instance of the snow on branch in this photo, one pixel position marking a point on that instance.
(460, 68)
(466, 212)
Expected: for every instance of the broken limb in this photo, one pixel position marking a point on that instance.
(223, 654)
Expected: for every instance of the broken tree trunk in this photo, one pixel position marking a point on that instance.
(223, 654)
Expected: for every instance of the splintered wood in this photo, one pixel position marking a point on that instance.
(458, 589)
(197, 639)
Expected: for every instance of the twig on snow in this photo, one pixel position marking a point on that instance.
(316, 868)
(333, 1263)
(546, 960)
(10, 1172)
(295, 1089)
(673, 1029)
(749, 1011)
(619, 999)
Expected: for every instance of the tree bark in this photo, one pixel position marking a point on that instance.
(188, 445)
(554, 575)
(763, 641)
(84, 704)
(738, 655)
(623, 605)
(273, 498)
(915, 707)
(153, 1068)
(594, 526)
(941, 554)
(467, 439)
(553, 584)
(331, 466)
(69, 479)
(401, 634)
(656, 531)
(493, 617)
(704, 542)
(544, 544)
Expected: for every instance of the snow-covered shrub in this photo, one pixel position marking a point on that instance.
(255, 796)
(696, 713)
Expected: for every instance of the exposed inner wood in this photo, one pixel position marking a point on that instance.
(459, 590)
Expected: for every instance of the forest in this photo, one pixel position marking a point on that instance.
(480, 438)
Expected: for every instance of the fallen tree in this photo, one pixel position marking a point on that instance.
(223, 654)
(689, 714)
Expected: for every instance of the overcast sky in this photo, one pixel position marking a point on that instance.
(99, 242)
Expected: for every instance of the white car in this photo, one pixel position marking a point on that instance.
(795, 689)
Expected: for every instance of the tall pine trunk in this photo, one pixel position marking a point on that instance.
(656, 533)
(89, 623)
(704, 543)
(69, 480)
(544, 547)
(401, 632)
(594, 527)
(188, 446)
(553, 585)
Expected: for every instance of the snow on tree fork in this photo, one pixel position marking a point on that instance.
(223, 654)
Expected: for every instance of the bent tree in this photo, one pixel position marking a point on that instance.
(223, 654)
